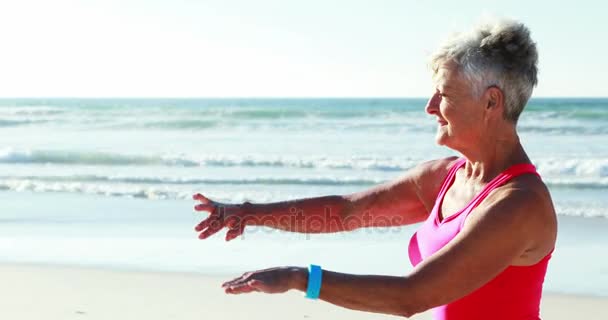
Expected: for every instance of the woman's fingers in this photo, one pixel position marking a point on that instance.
(246, 284)
(243, 288)
(231, 234)
(235, 281)
(204, 207)
(210, 225)
(258, 285)
(221, 216)
(235, 231)
(211, 229)
(201, 198)
(204, 224)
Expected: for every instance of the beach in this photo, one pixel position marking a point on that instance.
(97, 219)
(39, 292)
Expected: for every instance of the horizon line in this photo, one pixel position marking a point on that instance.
(271, 97)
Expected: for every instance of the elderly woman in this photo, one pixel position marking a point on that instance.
(489, 226)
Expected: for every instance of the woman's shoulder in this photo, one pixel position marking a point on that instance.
(525, 190)
(523, 204)
(526, 186)
(430, 175)
(437, 167)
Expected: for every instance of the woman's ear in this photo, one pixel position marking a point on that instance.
(495, 99)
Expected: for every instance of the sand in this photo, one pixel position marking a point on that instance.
(47, 292)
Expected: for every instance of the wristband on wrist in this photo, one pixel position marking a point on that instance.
(315, 275)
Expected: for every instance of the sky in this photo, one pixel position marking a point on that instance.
(275, 48)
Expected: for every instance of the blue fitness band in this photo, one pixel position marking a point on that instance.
(315, 275)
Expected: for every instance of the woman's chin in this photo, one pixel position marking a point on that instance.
(442, 139)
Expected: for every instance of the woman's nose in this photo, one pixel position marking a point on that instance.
(432, 106)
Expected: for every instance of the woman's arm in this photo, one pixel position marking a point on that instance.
(494, 238)
(404, 201)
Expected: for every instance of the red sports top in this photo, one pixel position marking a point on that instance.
(514, 294)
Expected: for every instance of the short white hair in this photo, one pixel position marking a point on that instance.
(498, 53)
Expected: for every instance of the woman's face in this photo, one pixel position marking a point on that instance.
(459, 114)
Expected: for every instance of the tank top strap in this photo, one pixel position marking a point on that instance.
(447, 182)
(449, 178)
(519, 169)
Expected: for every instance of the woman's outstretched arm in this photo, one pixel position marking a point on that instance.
(404, 201)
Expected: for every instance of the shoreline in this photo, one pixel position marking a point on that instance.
(62, 292)
(212, 275)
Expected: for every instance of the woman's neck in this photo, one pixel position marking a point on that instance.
(493, 155)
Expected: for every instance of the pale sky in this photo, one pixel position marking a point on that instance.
(275, 48)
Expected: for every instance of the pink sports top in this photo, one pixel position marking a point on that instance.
(514, 294)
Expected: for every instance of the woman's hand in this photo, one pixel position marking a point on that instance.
(221, 215)
(273, 280)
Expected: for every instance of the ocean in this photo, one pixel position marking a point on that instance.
(108, 182)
